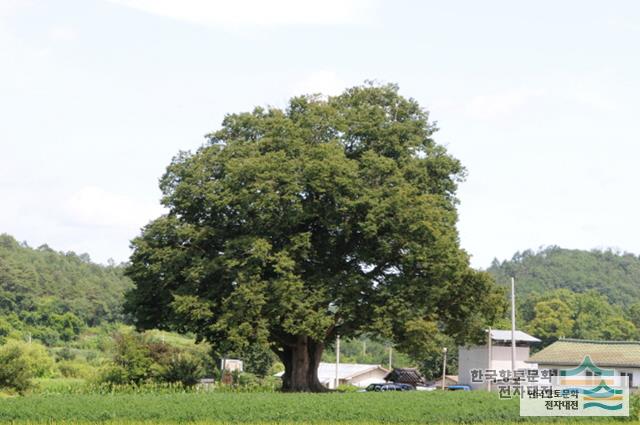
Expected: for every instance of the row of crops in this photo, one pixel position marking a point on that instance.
(262, 408)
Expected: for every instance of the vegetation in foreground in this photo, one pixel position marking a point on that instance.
(415, 407)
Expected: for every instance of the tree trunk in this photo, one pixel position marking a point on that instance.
(301, 362)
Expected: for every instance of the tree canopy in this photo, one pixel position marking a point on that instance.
(333, 216)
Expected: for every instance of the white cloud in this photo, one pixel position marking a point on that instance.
(260, 13)
(324, 82)
(501, 105)
(93, 206)
(62, 34)
(9, 7)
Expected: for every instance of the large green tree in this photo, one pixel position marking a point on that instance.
(334, 216)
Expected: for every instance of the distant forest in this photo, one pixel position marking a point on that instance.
(51, 296)
(54, 297)
(574, 293)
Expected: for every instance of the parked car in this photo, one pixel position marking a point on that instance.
(459, 388)
(426, 388)
(391, 386)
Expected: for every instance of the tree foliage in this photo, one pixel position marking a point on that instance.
(290, 226)
(562, 313)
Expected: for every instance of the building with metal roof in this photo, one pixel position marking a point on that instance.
(621, 356)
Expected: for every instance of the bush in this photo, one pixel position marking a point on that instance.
(132, 359)
(65, 354)
(184, 369)
(347, 388)
(15, 371)
(247, 379)
(5, 329)
(114, 375)
(75, 369)
(35, 355)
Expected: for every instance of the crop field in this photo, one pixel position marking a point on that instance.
(266, 408)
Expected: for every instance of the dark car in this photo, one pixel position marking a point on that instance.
(390, 387)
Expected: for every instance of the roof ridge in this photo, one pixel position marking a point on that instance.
(598, 341)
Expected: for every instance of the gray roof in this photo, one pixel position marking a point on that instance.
(505, 336)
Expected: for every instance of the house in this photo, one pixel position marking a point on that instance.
(621, 356)
(495, 355)
(360, 375)
(405, 376)
(448, 380)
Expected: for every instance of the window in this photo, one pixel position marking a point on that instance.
(630, 375)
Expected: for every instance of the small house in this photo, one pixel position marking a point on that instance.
(409, 376)
(359, 375)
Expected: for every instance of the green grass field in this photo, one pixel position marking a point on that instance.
(262, 408)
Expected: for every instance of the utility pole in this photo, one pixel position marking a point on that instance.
(444, 366)
(337, 360)
(513, 325)
(490, 356)
(390, 356)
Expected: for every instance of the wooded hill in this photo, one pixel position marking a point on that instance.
(51, 295)
(574, 294)
(615, 275)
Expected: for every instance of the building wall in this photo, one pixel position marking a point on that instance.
(471, 358)
(375, 376)
(438, 383)
(478, 358)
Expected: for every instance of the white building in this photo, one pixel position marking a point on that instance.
(621, 356)
(495, 356)
(356, 374)
(360, 375)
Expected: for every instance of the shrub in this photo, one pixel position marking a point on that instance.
(5, 329)
(347, 388)
(247, 379)
(114, 375)
(132, 357)
(184, 369)
(75, 369)
(35, 355)
(65, 354)
(15, 371)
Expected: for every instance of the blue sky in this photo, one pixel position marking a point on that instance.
(539, 100)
